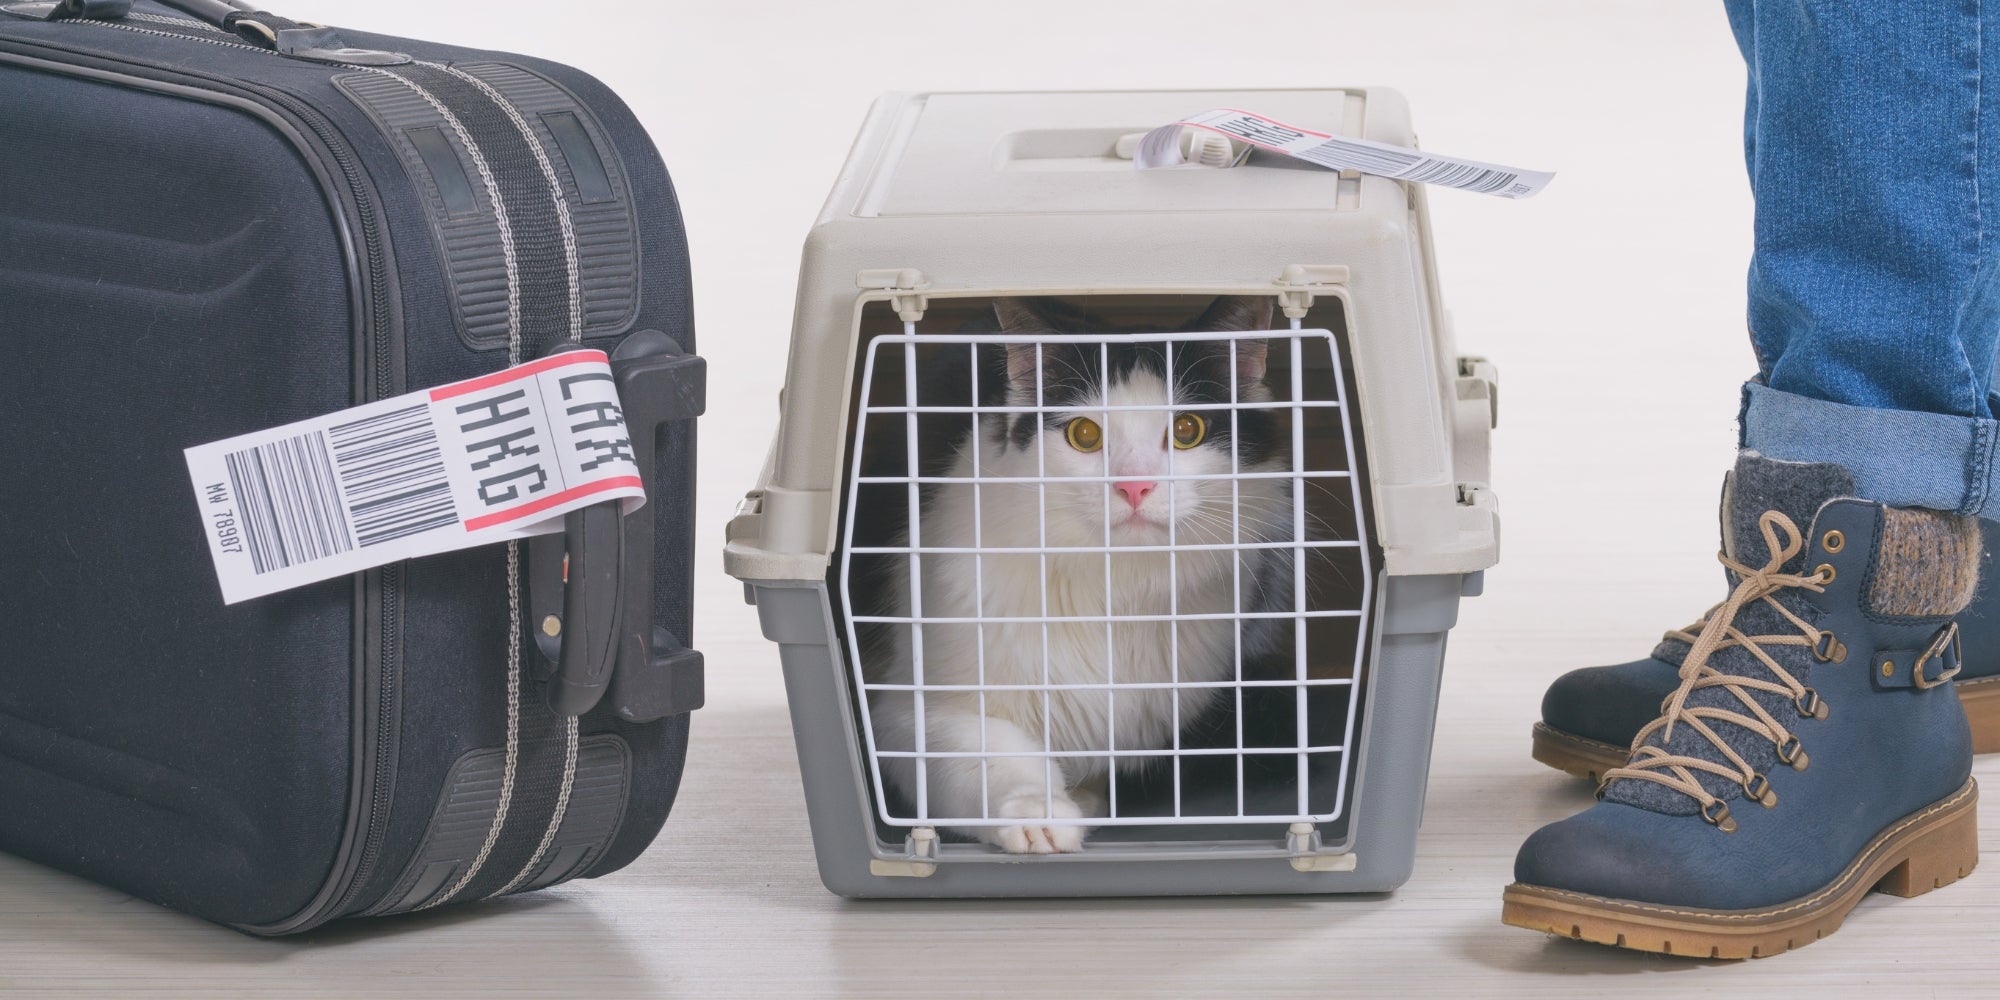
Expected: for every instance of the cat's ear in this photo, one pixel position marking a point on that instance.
(1251, 356)
(1231, 313)
(1021, 359)
(1021, 318)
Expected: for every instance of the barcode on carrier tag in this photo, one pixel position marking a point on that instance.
(499, 457)
(1161, 148)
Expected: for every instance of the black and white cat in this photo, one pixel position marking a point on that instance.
(1017, 715)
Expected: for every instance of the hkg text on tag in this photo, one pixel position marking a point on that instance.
(488, 459)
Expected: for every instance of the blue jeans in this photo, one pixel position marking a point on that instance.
(1873, 142)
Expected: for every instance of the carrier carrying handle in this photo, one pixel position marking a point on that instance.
(590, 588)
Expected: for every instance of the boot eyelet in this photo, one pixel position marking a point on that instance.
(1790, 752)
(1826, 571)
(1834, 541)
(1758, 789)
(1810, 705)
(1829, 649)
(1717, 815)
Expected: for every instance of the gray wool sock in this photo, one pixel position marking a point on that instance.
(1928, 564)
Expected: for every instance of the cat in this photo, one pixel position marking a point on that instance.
(1020, 718)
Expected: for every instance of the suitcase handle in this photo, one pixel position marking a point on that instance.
(590, 588)
(238, 17)
(234, 16)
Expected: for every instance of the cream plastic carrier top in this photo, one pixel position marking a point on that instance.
(976, 195)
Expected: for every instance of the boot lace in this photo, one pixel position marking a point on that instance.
(1717, 631)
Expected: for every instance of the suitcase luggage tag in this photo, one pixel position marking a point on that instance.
(590, 588)
(559, 451)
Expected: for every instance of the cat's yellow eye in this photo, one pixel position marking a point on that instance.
(1189, 429)
(1084, 434)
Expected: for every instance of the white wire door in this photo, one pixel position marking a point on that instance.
(1113, 573)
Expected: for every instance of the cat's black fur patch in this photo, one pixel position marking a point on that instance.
(1201, 368)
(1074, 374)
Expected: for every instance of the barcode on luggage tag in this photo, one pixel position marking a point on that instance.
(291, 510)
(296, 494)
(1161, 148)
(392, 475)
(484, 460)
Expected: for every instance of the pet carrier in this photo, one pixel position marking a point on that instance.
(1230, 689)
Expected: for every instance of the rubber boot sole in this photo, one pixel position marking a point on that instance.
(1588, 758)
(1929, 849)
(1577, 755)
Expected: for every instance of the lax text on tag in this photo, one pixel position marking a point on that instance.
(498, 457)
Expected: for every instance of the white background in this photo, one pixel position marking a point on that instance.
(1612, 305)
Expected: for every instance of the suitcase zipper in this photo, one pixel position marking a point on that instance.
(389, 663)
(378, 752)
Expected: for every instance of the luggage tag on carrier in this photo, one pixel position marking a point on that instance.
(1161, 147)
(503, 456)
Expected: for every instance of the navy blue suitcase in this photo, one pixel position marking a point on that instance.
(215, 220)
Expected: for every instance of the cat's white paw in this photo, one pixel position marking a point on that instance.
(1038, 838)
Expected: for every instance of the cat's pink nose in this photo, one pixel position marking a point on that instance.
(1135, 491)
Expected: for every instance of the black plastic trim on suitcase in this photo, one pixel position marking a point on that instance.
(470, 798)
(447, 171)
(586, 164)
(603, 217)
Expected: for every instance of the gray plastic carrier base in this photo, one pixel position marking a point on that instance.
(1395, 736)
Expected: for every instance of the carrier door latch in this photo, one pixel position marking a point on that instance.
(1297, 284)
(1475, 412)
(906, 287)
(1479, 383)
(920, 861)
(590, 588)
(1302, 840)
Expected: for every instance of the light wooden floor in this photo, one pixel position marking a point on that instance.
(1612, 304)
(728, 905)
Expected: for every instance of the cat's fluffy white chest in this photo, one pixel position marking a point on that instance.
(1100, 686)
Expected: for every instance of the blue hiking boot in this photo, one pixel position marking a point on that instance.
(1590, 715)
(1814, 748)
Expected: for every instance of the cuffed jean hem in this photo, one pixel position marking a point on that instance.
(1903, 458)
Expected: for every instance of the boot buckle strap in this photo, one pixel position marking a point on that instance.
(1946, 650)
(1935, 664)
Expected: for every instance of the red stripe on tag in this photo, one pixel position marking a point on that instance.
(536, 506)
(529, 370)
